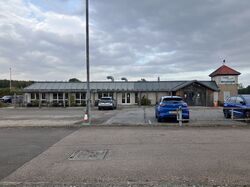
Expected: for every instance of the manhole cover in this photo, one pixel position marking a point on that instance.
(89, 155)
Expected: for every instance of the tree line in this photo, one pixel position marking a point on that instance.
(245, 90)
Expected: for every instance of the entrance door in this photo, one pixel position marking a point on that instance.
(195, 95)
(126, 98)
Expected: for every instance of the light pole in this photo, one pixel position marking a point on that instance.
(10, 79)
(87, 62)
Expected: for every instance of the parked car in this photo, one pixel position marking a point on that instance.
(168, 106)
(107, 103)
(241, 105)
(6, 99)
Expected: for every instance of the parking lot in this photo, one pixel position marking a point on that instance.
(134, 115)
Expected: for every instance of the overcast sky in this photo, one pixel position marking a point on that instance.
(172, 39)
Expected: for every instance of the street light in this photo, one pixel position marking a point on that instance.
(87, 62)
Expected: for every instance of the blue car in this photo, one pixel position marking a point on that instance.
(241, 105)
(168, 106)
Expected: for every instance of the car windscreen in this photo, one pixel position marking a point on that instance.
(106, 99)
(172, 100)
(247, 98)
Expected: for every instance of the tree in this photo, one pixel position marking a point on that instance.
(74, 80)
(244, 90)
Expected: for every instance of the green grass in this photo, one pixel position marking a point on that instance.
(2, 105)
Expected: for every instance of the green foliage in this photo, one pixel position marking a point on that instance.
(244, 90)
(72, 100)
(15, 84)
(2, 105)
(145, 101)
(6, 91)
(74, 80)
(35, 103)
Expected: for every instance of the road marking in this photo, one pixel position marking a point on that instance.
(149, 122)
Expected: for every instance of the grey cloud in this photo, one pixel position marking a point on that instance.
(138, 39)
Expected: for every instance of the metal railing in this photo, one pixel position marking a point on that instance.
(232, 117)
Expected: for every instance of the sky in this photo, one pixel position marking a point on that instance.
(44, 40)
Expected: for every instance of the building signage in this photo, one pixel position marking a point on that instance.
(228, 80)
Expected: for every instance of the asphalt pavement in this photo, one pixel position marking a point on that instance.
(20, 145)
(146, 156)
(134, 115)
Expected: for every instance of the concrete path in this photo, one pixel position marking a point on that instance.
(142, 155)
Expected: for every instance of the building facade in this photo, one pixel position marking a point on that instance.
(227, 80)
(223, 84)
(195, 93)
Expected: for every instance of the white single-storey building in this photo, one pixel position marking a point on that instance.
(223, 83)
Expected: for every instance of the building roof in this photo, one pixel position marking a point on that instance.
(116, 86)
(224, 70)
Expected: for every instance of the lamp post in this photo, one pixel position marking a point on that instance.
(10, 79)
(87, 62)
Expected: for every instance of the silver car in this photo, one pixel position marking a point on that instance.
(107, 103)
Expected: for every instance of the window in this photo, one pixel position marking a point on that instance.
(136, 98)
(54, 96)
(239, 101)
(128, 97)
(78, 96)
(123, 97)
(37, 96)
(60, 96)
(66, 96)
(83, 96)
(33, 96)
(233, 99)
(99, 95)
(43, 96)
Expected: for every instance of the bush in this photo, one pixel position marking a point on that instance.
(72, 100)
(145, 101)
(2, 105)
(35, 103)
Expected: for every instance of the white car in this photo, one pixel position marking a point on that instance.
(107, 103)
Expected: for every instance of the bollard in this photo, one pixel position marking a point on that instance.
(179, 116)
(232, 113)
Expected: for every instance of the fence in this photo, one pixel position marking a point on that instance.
(215, 116)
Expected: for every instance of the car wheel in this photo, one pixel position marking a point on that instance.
(227, 114)
(159, 120)
(99, 108)
(248, 116)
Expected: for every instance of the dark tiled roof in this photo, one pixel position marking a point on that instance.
(116, 86)
(224, 70)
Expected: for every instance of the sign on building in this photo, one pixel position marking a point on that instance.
(228, 80)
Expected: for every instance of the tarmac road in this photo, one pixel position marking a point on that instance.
(142, 155)
(19, 145)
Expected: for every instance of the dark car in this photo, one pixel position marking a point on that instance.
(6, 99)
(240, 105)
(168, 106)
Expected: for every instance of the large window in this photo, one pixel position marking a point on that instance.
(105, 94)
(123, 98)
(136, 98)
(33, 96)
(54, 96)
(80, 98)
(43, 96)
(128, 97)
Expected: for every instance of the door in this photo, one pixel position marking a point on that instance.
(195, 95)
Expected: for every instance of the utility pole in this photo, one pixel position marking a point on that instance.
(87, 62)
(10, 79)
